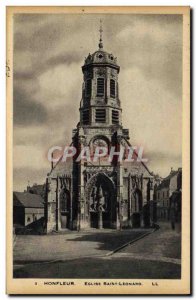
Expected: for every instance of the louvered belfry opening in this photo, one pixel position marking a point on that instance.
(100, 87)
(100, 115)
(112, 88)
(115, 117)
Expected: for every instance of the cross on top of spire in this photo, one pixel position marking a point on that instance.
(100, 39)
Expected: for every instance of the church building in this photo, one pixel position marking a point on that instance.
(104, 193)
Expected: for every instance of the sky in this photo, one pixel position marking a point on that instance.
(49, 50)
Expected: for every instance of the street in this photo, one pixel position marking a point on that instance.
(150, 255)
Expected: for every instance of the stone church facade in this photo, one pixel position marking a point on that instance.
(102, 194)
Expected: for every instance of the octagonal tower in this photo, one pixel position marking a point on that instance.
(100, 104)
(100, 125)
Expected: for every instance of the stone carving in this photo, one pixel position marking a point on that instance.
(82, 140)
(137, 182)
(100, 71)
(92, 182)
(113, 73)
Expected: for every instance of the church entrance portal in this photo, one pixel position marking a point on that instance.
(102, 204)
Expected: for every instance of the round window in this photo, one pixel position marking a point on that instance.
(100, 55)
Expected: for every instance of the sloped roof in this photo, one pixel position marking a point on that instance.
(27, 200)
(38, 189)
(166, 181)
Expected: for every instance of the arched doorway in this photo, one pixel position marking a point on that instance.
(101, 201)
(64, 208)
(136, 208)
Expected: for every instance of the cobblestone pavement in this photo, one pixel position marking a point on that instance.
(70, 245)
(156, 256)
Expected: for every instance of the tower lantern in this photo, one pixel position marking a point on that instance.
(100, 104)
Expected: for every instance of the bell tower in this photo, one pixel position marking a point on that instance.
(100, 125)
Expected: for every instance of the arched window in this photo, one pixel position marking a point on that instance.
(112, 88)
(64, 200)
(136, 204)
(100, 87)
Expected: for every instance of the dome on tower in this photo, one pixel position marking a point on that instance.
(101, 57)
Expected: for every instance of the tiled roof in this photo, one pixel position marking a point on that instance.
(27, 200)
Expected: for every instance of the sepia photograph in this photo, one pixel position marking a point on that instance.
(98, 138)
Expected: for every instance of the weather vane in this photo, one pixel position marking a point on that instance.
(101, 31)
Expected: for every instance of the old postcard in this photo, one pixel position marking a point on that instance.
(98, 150)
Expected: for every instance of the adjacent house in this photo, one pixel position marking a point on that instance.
(27, 208)
(165, 190)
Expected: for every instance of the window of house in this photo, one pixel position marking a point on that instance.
(88, 87)
(85, 117)
(158, 195)
(112, 88)
(100, 87)
(115, 117)
(100, 115)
